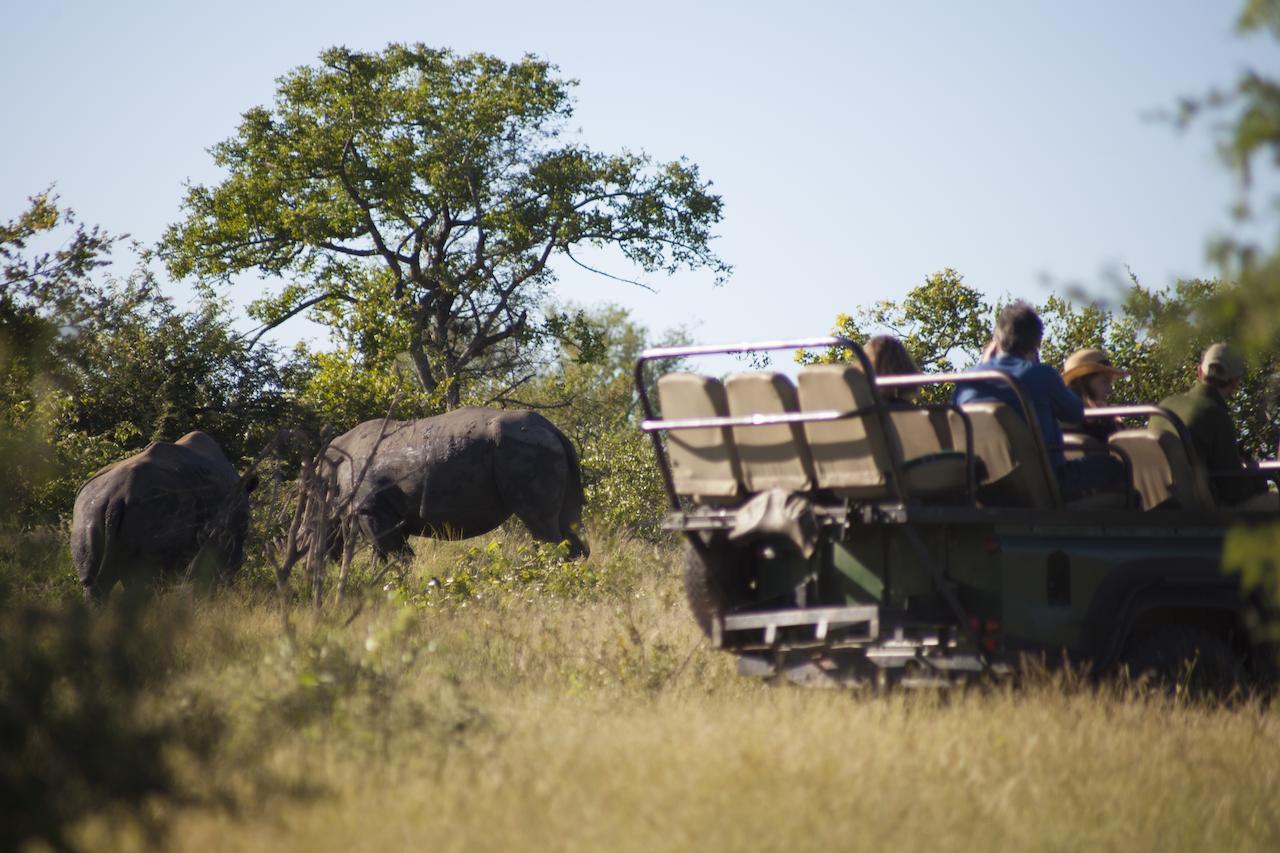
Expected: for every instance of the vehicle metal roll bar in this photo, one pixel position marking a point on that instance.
(1148, 411)
(653, 426)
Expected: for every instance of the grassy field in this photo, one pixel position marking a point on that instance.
(492, 699)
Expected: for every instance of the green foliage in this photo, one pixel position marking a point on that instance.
(415, 198)
(92, 368)
(525, 570)
(78, 736)
(942, 322)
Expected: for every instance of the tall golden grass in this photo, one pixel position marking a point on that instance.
(506, 711)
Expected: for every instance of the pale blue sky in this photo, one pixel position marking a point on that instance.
(858, 146)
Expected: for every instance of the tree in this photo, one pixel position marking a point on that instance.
(43, 296)
(450, 176)
(943, 323)
(93, 367)
(939, 321)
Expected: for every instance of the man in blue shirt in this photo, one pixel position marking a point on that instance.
(1017, 352)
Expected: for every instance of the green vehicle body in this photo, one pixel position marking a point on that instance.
(929, 592)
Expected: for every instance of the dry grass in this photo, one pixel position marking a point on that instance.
(593, 716)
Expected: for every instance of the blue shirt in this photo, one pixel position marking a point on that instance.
(1044, 389)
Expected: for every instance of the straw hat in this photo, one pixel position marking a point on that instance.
(1085, 362)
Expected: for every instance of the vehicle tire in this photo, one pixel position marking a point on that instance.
(1183, 655)
(705, 584)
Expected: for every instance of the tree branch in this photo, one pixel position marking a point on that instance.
(639, 284)
(291, 313)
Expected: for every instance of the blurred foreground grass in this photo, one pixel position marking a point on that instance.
(492, 699)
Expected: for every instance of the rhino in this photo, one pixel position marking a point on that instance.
(170, 509)
(454, 476)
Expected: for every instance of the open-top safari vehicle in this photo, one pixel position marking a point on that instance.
(833, 537)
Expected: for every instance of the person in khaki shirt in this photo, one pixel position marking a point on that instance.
(1203, 408)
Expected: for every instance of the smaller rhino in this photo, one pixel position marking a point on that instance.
(170, 509)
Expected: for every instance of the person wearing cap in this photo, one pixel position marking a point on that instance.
(1203, 408)
(1090, 374)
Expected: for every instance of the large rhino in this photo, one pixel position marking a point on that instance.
(456, 475)
(169, 509)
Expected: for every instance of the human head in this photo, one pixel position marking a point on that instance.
(1222, 368)
(888, 357)
(1090, 374)
(1018, 329)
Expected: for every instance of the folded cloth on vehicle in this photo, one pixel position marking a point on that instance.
(777, 513)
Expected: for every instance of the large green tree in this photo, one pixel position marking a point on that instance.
(455, 178)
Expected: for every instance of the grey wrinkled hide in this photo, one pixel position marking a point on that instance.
(456, 475)
(169, 509)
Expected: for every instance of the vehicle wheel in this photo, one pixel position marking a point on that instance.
(705, 584)
(1174, 655)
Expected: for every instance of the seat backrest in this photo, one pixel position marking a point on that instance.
(1162, 474)
(851, 455)
(917, 432)
(704, 461)
(774, 456)
(1009, 453)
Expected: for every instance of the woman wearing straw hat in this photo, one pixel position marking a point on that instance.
(1090, 374)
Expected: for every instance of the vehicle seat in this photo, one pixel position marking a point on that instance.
(773, 456)
(704, 461)
(1009, 454)
(855, 457)
(1162, 473)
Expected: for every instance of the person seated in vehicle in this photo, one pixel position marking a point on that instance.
(1090, 375)
(1203, 408)
(889, 357)
(1017, 338)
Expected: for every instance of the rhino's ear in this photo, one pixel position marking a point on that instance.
(251, 482)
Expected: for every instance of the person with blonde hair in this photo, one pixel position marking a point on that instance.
(889, 357)
(1091, 376)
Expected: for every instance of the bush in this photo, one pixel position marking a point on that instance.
(78, 734)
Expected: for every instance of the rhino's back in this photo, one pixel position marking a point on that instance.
(149, 507)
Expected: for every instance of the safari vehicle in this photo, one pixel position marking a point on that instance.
(837, 538)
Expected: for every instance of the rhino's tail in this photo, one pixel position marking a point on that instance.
(574, 497)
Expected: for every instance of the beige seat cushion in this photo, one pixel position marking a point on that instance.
(916, 432)
(1012, 471)
(774, 456)
(1162, 474)
(704, 462)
